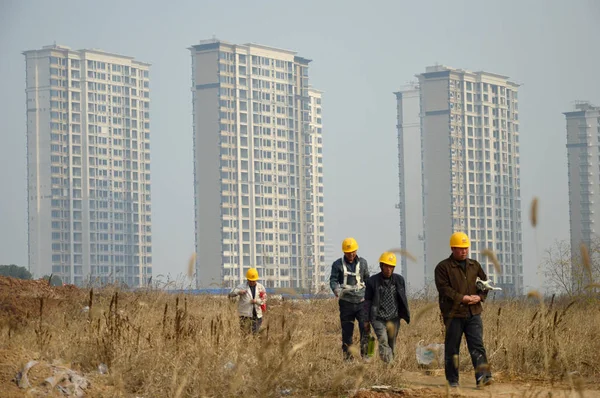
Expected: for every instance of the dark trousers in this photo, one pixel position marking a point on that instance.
(250, 325)
(472, 327)
(349, 312)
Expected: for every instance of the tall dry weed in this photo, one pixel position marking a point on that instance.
(161, 344)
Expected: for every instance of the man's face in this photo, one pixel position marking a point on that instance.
(350, 256)
(460, 253)
(251, 283)
(386, 270)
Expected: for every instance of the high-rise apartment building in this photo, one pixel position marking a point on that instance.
(410, 205)
(313, 151)
(470, 169)
(258, 166)
(88, 166)
(583, 156)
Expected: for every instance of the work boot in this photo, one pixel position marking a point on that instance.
(484, 380)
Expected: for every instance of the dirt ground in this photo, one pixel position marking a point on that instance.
(422, 385)
(20, 299)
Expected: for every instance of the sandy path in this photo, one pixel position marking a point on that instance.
(422, 385)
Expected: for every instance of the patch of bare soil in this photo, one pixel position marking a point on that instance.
(9, 367)
(20, 299)
(424, 385)
(398, 392)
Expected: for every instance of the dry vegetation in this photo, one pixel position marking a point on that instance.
(157, 344)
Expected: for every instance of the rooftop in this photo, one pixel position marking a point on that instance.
(443, 68)
(210, 43)
(60, 47)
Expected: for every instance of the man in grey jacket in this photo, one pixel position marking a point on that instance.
(348, 277)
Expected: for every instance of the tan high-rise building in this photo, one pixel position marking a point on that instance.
(88, 166)
(470, 169)
(258, 166)
(583, 156)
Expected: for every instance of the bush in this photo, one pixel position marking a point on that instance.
(15, 271)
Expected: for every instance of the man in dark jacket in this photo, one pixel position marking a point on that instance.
(347, 280)
(385, 304)
(460, 304)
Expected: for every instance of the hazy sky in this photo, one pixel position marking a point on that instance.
(362, 52)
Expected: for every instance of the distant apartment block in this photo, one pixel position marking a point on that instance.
(258, 166)
(469, 146)
(583, 156)
(88, 166)
(332, 253)
(410, 205)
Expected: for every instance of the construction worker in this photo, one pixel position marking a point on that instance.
(460, 305)
(348, 276)
(385, 304)
(253, 298)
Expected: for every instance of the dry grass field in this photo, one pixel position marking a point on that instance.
(156, 344)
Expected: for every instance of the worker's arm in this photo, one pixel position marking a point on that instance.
(364, 270)
(334, 278)
(233, 292)
(237, 291)
(369, 293)
(404, 298)
(262, 297)
(481, 274)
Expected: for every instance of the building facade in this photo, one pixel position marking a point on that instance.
(258, 166)
(410, 175)
(88, 166)
(470, 167)
(583, 156)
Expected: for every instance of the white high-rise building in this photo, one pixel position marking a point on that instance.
(470, 168)
(88, 166)
(410, 205)
(583, 156)
(258, 166)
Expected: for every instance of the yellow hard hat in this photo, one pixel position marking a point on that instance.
(459, 239)
(388, 258)
(349, 245)
(252, 274)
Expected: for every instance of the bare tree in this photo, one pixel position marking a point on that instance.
(557, 268)
(566, 273)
